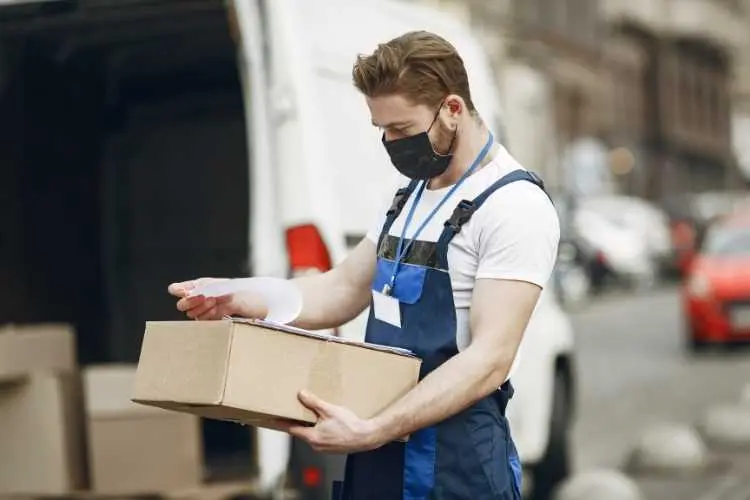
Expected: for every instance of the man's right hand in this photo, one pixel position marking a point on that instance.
(329, 299)
(203, 308)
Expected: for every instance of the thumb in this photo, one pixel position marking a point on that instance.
(313, 402)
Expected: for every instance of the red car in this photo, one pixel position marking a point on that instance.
(716, 290)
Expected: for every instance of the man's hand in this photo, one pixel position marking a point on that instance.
(213, 308)
(329, 300)
(338, 429)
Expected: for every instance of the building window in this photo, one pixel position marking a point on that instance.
(582, 20)
(575, 20)
(529, 12)
(701, 101)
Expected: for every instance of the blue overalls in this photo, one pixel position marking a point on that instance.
(471, 455)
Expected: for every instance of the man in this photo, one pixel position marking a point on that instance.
(454, 281)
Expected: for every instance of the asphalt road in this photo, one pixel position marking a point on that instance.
(634, 372)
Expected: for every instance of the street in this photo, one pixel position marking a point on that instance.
(634, 372)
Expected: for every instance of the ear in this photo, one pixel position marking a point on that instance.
(453, 109)
(455, 105)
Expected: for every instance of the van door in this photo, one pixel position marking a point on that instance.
(267, 250)
(304, 174)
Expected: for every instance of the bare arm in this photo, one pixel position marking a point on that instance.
(332, 298)
(500, 311)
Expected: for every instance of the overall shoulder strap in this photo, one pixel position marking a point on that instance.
(465, 209)
(399, 201)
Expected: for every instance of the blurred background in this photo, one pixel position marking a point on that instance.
(144, 142)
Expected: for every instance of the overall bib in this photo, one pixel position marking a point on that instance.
(471, 455)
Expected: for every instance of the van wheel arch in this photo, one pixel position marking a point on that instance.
(556, 464)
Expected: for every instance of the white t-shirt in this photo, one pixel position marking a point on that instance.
(513, 236)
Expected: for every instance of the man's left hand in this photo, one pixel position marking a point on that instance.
(338, 429)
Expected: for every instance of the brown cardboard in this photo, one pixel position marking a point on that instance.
(41, 435)
(252, 372)
(133, 448)
(31, 348)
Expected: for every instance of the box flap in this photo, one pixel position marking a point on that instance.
(183, 361)
(26, 349)
(331, 338)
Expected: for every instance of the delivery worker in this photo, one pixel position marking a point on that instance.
(452, 271)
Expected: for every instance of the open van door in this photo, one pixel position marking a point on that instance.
(266, 247)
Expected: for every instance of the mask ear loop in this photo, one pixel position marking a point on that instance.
(434, 118)
(453, 139)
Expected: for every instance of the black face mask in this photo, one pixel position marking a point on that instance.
(415, 157)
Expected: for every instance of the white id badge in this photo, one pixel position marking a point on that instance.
(386, 308)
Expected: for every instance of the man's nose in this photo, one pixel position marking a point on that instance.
(391, 135)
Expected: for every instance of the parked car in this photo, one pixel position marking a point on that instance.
(621, 252)
(649, 222)
(716, 290)
(691, 213)
(571, 275)
(575, 261)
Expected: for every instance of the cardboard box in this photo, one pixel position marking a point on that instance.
(32, 348)
(133, 448)
(251, 371)
(42, 442)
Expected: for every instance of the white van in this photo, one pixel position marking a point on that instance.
(139, 146)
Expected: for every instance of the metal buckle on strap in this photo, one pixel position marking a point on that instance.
(461, 215)
(535, 177)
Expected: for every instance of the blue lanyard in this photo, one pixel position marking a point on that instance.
(401, 250)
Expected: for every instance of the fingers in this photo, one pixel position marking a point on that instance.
(302, 432)
(198, 307)
(294, 429)
(211, 313)
(202, 310)
(314, 403)
(187, 303)
(181, 289)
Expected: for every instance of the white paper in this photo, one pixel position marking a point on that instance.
(322, 336)
(282, 297)
(386, 308)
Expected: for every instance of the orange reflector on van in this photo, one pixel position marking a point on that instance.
(307, 250)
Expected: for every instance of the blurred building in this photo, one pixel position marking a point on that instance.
(643, 86)
(741, 103)
(689, 50)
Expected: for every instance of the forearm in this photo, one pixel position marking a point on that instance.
(454, 386)
(329, 300)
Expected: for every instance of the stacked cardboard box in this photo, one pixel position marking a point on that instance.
(134, 449)
(41, 425)
(64, 430)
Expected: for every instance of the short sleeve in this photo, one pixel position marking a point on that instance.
(376, 227)
(517, 235)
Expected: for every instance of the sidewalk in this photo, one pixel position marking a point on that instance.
(731, 483)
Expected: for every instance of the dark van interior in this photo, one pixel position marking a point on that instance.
(125, 167)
